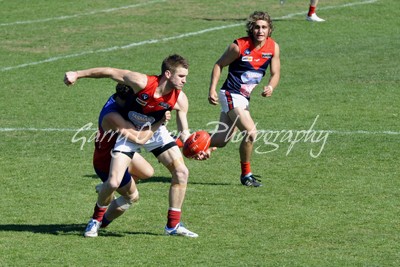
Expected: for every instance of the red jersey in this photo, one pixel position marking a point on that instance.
(246, 72)
(144, 108)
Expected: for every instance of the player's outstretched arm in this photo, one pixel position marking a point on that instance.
(134, 79)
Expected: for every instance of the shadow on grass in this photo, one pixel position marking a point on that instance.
(63, 229)
(161, 179)
(94, 176)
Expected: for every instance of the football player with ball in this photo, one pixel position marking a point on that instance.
(152, 97)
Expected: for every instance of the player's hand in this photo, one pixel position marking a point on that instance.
(204, 155)
(70, 77)
(167, 116)
(213, 98)
(267, 91)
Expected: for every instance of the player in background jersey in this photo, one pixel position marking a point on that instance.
(154, 95)
(311, 15)
(248, 59)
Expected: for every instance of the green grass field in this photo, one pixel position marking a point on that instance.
(324, 203)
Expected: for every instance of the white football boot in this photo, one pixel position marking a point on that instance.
(314, 18)
(180, 230)
(92, 228)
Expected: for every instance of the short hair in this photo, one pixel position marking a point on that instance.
(123, 91)
(172, 62)
(258, 15)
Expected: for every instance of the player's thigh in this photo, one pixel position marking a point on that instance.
(172, 159)
(118, 166)
(140, 167)
(226, 127)
(243, 120)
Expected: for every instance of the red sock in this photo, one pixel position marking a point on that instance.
(311, 10)
(174, 217)
(99, 212)
(245, 167)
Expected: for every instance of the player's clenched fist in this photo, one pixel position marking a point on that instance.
(70, 77)
(267, 91)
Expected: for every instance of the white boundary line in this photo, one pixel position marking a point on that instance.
(81, 14)
(358, 132)
(153, 41)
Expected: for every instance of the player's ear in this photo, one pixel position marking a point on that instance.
(168, 74)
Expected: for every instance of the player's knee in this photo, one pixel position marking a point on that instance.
(111, 184)
(251, 136)
(218, 140)
(125, 202)
(181, 175)
(147, 173)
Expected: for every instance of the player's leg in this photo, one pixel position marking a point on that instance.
(164, 148)
(226, 126)
(128, 196)
(119, 163)
(312, 15)
(173, 161)
(247, 126)
(139, 168)
(118, 166)
(222, 135)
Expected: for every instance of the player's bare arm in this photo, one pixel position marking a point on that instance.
(181, 107)
(134, 79)
(275, 71)
(114, 121)
(230, 55)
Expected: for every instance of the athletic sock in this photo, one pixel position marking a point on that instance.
(174, 217)
(99, 212)
(311, 10)
(105, 222)
(245, 167)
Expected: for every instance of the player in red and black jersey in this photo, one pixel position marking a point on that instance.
(248, 59)
(154, 95)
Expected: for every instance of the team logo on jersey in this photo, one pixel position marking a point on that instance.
(266, 55)
(164, 105)
(247, 51)
(247, 58)
(140, 120)
(145, 96)
(251, 77)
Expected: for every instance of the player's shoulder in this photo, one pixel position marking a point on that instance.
(182, 101)
(243, 41)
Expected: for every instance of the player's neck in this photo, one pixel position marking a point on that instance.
(258, 45)
(163, 88)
